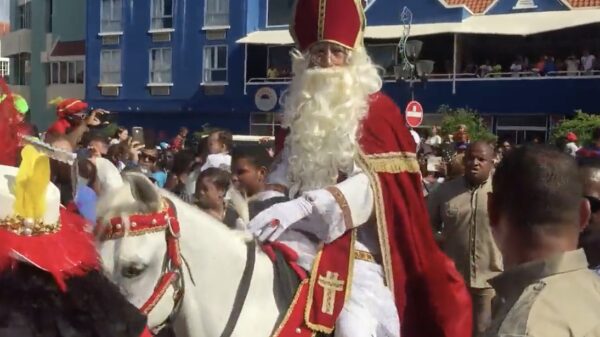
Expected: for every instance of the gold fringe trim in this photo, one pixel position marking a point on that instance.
(392, 162)
(290, 309)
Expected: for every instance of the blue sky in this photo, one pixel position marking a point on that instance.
(4, 13)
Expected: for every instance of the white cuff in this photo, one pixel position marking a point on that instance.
(344, 206)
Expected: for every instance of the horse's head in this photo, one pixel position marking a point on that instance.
(133, 256)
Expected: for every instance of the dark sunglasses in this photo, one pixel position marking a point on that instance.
(148, 158)
(594, 203)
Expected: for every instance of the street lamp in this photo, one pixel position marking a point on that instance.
(411, 67)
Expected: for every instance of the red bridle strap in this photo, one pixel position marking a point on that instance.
(140, 224)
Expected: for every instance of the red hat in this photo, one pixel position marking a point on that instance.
(337, 21)
(572, 137)
(69, 106)
(34, 228)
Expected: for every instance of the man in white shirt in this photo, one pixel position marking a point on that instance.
(587, 62)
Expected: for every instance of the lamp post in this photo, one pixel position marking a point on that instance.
(411, 67)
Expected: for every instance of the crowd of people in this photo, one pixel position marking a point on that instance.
(349, 198)
(545, 65)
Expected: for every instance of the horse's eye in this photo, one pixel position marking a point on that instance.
(133, 270)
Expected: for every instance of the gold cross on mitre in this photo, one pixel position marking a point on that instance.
(331, 285)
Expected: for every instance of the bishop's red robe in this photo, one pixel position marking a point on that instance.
(430, 295)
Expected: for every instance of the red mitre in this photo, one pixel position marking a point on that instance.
(70, 106)
(337, 21)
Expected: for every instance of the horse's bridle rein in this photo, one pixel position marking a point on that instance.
(172, 272)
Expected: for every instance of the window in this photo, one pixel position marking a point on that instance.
(215, 64)
(24, 16)
(21, 69)
(162, 14)
(110, 66)
(49, 14)
(66, 72)
(79, 72)
(385, 56)
(4, 64)
(160, 65)
(279, 12)
(216, 13)
(110, 13)
(279, 62)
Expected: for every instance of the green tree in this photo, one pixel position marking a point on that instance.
(453, 118)
(582, 124)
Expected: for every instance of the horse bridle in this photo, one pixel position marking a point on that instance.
(172, 271)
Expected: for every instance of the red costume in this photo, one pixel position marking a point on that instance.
(66, 111)
(50, 278)
(430, 295)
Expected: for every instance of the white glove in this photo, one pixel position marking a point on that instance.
(273, 221)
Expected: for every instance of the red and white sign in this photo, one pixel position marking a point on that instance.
(414, 114)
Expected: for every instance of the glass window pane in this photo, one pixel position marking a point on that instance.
(79, 70)
(168, 8)
(54, 72)
(219, 75)
(63, 72)
(167, 58)
(222, 57)
(71, 72)
(279, 12)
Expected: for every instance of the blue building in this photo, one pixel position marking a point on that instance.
(167, 63)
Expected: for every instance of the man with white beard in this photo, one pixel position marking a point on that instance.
(357, 217)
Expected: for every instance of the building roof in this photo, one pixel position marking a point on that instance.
(475, 6)
(584, 3)
(522, 24)
(69, 48)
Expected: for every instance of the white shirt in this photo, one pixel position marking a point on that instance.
(416, 137)
(587, 62)
(571, 148)
(218, 160)
(434, 140)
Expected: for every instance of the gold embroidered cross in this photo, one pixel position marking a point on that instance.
(331, 284)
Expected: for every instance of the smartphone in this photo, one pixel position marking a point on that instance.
(137, 134)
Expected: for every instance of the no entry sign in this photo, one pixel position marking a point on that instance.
(414, 114)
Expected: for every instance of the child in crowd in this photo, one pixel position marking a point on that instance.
(211, 187)
(219, 145)
(462, 135)
(250, 170)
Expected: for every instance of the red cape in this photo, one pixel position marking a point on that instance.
(431, 296)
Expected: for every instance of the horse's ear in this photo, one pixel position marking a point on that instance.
(144, 191)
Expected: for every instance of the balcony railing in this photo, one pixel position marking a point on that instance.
(462, 76)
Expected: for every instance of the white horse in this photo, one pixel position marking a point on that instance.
(214, 261)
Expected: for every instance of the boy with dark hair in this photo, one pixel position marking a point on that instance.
(250, 167)
(211, 188)
(537, 212)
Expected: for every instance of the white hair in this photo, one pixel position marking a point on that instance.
(323, 110)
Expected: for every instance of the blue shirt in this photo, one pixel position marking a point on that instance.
(85, 199)
(160, 177)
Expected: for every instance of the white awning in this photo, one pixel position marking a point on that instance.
(506, 24)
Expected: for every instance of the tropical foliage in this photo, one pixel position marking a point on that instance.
(453, 118)
(582, 124)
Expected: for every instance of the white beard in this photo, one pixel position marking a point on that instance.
(323, 111)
